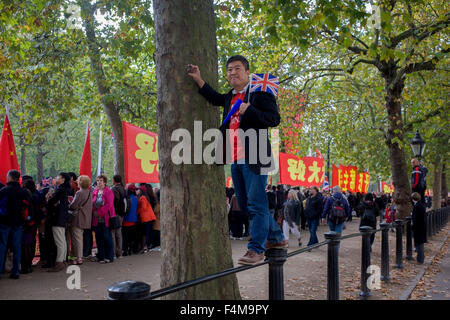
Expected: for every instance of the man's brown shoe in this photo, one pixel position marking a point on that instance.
(251, 258)
(59, 266)
(279, 245)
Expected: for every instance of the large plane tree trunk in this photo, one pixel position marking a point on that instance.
(194, 230)
(399, 170)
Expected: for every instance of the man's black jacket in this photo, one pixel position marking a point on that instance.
(17, 200)
(261, 114)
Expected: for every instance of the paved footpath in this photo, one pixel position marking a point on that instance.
(305, 274)
(435, 283)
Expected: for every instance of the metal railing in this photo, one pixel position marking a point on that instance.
(435, 221)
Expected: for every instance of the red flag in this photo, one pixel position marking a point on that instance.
(7, 152)
(85, 163)
(141, 154)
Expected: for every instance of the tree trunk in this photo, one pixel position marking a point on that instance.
(394, 142)
(444, 189)
(437, 182)
(23, 165)
(194, 228)
(39, 162)
(87, 14)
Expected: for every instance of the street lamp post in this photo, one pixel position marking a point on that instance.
(418, 145)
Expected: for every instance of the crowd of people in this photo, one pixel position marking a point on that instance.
(62, 221)
(296, 210)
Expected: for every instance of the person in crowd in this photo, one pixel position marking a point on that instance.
(14, 203)
(336, 210)
(73, 184)
(352, 201)
(281, 198)
(380, 205)
(58, 207)
(120, 206)
(369, 215)
(313, 211)
(419, 226)
(156, 242)
(272, 199)
(103, 207)
(81, 207)
(146, 216)
(237, 219)
(129, 224)
(418, 178)
(30, 226)
(390, 212)
(291, 216)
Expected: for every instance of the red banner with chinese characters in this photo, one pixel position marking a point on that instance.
(140, 154)
(387, 188)
(349, 179)
(229, 182)
(305, 172)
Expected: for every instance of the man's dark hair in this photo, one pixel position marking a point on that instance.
(368, 197)
(28, 184)
(279, 187)
(239, 58)
(14, 174)
(117, 178)
(73, 176)
(27, 177)
(274, 188)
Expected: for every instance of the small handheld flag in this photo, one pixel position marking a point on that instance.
(235, 108)
(264, 82)
(326, 185)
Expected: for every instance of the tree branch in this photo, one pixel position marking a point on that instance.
(409, 125)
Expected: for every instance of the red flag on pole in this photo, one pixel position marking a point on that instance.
(8, 154)
(85, 163)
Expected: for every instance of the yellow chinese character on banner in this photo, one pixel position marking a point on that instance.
(296, 169)
(366, 182)
(315, 172)
(146, 154)
(359, 187)
(340, 178)
(345, 184)
(352, 179)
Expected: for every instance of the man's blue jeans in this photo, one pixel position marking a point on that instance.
(15, 234)
(252, 198)
(336, 228)
(313, 224)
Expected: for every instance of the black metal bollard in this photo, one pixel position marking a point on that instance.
(366, 232)
(399, 244)
(409, 251)
(276, 257)
(129, 290)
(385, 251)
(333, 265)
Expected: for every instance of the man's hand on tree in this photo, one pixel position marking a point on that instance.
(194, 72)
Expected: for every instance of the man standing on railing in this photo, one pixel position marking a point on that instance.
(259, 111)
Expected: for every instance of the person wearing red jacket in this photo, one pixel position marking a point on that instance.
(146, 217)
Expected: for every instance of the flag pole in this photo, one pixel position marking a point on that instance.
(7, 109)
(99, 163)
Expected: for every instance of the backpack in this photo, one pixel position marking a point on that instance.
(369, 218)
(337, 215)
(124, 202)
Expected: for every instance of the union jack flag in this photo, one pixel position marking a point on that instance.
(264, 82)
(47, 182)
(326, 185)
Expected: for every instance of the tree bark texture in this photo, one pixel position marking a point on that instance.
(194, 230)
(444, 188)
(87, 14)
(394, 140)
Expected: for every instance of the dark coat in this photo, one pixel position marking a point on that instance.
(272, 198)
(281, 198)
(58, 206)
(370, 209)
(314, 207)
(17, 200)
(419, 224)
(292, 212)
(262, 113)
